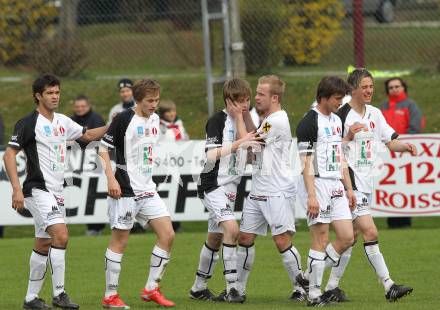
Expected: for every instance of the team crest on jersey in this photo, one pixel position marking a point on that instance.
(47, 131)
(231, 134)
(336, 131)
(266, 127)
(327, 131)
(372, 125)
(154, 131)
(62, 130)
(140, 131)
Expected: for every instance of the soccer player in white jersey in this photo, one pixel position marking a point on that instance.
(132, 193)
(42, 135)
(217, 187)
(271, 200)
(361, 154)
(319, 136)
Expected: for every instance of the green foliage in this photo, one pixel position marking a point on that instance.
(20, 23)
(311, 29)
(261, 20)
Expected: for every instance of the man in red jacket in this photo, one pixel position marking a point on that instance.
(405, 117)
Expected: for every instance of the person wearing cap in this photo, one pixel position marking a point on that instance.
(126, 94)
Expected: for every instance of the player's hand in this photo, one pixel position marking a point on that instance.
(351, 199)
(312, 207)
(18, 200)
(114, 190)
(234, 108)
(411, 148)
(251, 139)
(355, 128)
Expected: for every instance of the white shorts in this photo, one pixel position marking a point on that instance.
(363, 202)
(220, 203)
(277, 212)
(333, 202)
(122, 212)
(47, 209)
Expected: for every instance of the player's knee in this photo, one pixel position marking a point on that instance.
(245, 239)
(60, 239)
(370, 234)
(282, 241)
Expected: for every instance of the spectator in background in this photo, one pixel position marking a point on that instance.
(171, 130)
(2, 134)
(405, 117)
(83, 115)
(126, 94)
(171, 126)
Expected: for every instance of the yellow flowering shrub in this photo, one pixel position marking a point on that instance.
(21, 22)
(311, 28)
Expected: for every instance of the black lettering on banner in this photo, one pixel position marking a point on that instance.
(184, 193)
(93, 195)
(241, 193)
(159, 179)
(75, 182)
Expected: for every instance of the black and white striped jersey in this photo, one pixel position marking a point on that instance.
(133, 137)
(44, 144)
(220, 131)
(362, 152)
(322, 135)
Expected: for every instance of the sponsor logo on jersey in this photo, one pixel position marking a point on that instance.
(47, 131)
(108, 138)
(231, 134)
(337, 193)
(55, 213)
(266, 127)
(211, 140)
(125, 219)
(327, 131)
(140, 131)
(372, 125)
(226, 211)
(154, 131)
(62, 130)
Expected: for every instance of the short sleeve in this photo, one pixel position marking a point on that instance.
(387, 133)
(74, 131)
(214, 133)
(109, 138)
(307, 133)
(20, 135)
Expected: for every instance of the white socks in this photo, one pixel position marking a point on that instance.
(292, 263)
(58, 266)
(378, 263)
(159, 260)
(338, 270)
(229, 254)
(331, 257)
(112, 271)
(245, 261)
(208, 260)
(315, 266)
(38, 265)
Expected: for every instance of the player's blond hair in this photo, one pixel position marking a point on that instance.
(145, 87)
(277, 85)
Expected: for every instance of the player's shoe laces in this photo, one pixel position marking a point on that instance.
(303, 282)
(205, 294)
(115, 302)
(233, 296)
(318, 302)
(397, 291)
(156, 296)
(298, 296)
(63, 301)
(36, 303)
(336, 295)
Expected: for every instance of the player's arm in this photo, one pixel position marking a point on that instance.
(94, 134)
(249, 123)
(10, 161)
(399, 146)
(114, 190)
(309, 182)
(249, 140)
(347, 184)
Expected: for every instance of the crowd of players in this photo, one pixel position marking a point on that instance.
(337, 146)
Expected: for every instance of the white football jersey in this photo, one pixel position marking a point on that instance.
(361, 153)
(133, 138)
(44, 144)
(322, 135)
(273, 171)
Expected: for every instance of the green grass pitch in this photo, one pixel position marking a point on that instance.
(412, 256)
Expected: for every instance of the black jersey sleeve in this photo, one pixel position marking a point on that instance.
(114, 137)
(24, 131)
(307, 133)
(214, 130)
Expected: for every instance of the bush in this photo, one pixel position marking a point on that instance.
(312, 27)
(261, 20)
(63, 57)
(20, 23)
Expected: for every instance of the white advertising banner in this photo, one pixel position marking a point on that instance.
(405, 185)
